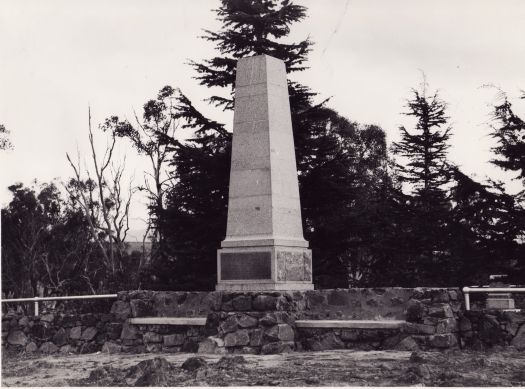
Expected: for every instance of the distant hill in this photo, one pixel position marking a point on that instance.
(137, 246)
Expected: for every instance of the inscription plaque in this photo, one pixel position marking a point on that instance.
(246, 266)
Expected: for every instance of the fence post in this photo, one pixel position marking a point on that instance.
(467, 298)
(36, 307)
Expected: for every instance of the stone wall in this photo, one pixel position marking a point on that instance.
(59, 332)
(65, 333)
(264, 322)
(483, 330)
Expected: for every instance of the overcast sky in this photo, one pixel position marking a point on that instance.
(59, 56)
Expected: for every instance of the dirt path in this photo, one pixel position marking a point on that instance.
(333, 368)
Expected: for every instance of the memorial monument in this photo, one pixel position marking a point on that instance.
(264, 248)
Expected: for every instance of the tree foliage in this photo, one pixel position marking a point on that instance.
(333, 153)
(486, 225)
(48, 248)
(426, 148)
(46, 245)
(5, 143)
(509, 132)
(148, 136)
(101, 194)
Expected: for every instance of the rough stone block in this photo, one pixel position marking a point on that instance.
(48, 348)
(42, 331)
(418, 328)
(190, 346)
(152, 337)
(443, 341)
(327, 341)
(256, 337)
(314, 299)
(174, 340)
(231, 324)
(440, 296)
(31, 348)
(141, 308)
(513, 321)
(24, 321)
(391, 342)
(89, 333)
(89, 320)
(89, 348)
(407, 344)
(111, 348)
(75, 333)
(268, 320)
(280, 332)
(242, 303)
(17, 338)
(415, 311)
(238, 338)
(519, 340)
(153, 347)
(68, 349)
(442, 311)
(264, 303)
(247, 321)
(121, 310)
(129, 332)
(50, 318)
(277, 348)
(337, 298)
(60, 338)
(113, 330)
(447, 325)
(211, 345)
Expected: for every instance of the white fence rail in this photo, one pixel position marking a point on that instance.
(474, 289)
(37, 300)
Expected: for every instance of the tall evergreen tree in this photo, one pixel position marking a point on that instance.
(426, 173)
(426, 149)
(336, 159)
(509, 131)
(485, 227)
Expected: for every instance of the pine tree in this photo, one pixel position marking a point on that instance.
(427, 170)
(486, 224)
(336, 158)
(426, 173)
(509, 131)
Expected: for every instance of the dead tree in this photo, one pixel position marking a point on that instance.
(149, 137)
(105, 201)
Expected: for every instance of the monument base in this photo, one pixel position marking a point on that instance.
(264, 268)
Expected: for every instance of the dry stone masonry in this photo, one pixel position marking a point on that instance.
(265, 323)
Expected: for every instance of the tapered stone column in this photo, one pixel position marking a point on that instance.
(264, 248)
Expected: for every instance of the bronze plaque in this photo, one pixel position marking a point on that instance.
(246, 266)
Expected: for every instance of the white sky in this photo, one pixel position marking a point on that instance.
(58, 56)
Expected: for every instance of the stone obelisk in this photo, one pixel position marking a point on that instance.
(264, 248)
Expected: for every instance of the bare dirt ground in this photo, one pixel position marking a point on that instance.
(332, 368)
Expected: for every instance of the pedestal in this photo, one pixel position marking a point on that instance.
(264, 268)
